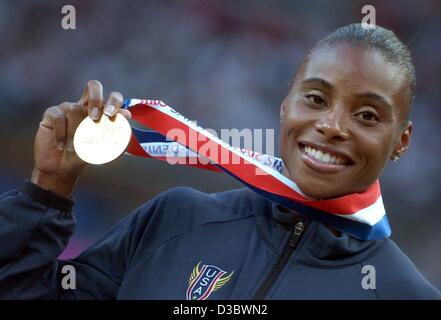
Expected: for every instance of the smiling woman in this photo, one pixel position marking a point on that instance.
(345, 116)
(346, 113)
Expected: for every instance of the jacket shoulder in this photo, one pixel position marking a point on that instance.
(189, 207)
(179, 211)
(398, 277)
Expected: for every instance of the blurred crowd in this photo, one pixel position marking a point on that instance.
(226, 64)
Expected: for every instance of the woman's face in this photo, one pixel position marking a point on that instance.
(342, 120)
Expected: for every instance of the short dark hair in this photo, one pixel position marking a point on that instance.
(384, 41)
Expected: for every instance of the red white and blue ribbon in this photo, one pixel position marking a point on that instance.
(361, 215)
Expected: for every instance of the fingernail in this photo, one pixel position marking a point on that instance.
(95, 114)
(109, 110)
(60, 145)
(70, 147)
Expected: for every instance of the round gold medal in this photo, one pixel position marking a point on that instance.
(102, 141)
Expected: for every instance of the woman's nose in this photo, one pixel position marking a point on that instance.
(332, 128)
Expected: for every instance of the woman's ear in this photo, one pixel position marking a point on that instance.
(403, 142)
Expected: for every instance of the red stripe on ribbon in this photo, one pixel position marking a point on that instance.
(245, 170)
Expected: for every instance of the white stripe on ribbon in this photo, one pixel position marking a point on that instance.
(370, 215)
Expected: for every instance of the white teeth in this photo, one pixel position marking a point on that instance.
(319, 155)
(323, 156)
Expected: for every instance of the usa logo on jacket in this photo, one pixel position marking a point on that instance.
(205, 280)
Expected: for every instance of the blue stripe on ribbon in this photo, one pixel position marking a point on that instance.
(146, 136)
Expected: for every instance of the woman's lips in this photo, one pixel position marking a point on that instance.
(322, 161)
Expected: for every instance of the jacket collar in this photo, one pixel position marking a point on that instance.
(319, 247)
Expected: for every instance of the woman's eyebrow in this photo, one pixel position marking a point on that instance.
(319, 81)
(367, 95)
(374, 97)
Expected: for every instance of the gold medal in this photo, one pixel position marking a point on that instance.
(102, 141)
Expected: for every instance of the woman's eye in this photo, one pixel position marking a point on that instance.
(368, 116)
(315, 99)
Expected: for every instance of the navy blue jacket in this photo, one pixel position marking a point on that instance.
(185, 244)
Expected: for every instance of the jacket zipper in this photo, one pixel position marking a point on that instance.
(294, 238)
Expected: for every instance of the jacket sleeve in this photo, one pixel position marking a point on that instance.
(35, 226)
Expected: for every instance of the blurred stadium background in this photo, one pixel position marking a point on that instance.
(226, 64)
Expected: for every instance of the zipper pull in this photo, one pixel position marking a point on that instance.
(299, 227)
(297, 232)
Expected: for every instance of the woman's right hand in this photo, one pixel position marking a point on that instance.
(56, 165)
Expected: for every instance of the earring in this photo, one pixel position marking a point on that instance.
(395, 158)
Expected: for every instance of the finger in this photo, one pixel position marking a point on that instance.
(95, 99)
(55, 119)
(113, 104)
(126, 113)
(83, 98)
(74, 115)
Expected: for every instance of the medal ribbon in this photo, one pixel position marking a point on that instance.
(178, 140)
